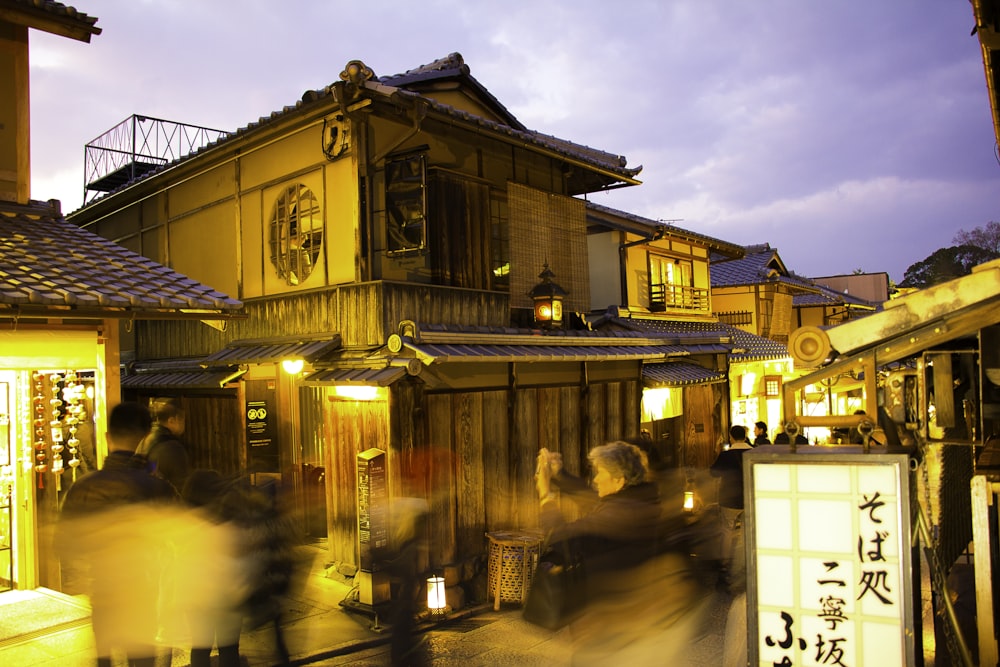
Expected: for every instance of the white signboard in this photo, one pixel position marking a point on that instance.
(829, 581)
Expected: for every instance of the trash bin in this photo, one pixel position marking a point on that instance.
(513, 557)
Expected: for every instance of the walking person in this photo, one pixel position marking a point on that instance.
(166, 452)
(728, 466)
(213, 573)
(643, 599)
(111, 521)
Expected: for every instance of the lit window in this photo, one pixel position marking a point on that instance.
(296, 234)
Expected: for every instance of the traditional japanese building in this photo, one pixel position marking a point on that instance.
(387, 233)
(65, 295)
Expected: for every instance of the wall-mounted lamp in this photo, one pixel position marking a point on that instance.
(548, 298)
(292, 366)
(437, 603)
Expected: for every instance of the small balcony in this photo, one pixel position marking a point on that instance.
(677, 297)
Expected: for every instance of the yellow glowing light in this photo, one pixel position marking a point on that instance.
(356, 392)
(292, 366)
(436, 600)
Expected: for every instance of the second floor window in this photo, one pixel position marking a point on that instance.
(296, 232)
(670, 284)
(405, 205)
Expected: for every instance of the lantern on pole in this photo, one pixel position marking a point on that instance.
(548, 300)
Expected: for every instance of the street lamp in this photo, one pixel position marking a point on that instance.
(548, 298)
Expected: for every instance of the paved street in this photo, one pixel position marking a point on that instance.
(54, 631)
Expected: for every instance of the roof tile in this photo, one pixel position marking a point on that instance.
(47, 261)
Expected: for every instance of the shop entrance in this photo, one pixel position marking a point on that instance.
(6, 491)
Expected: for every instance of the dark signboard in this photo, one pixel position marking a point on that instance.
(261, 437)
(373, 505)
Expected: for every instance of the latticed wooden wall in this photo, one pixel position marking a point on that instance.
(547, 228)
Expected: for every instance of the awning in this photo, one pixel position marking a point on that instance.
(369, 377)
(679, 374)
(440, 353)
(263, 351)
(186, 379)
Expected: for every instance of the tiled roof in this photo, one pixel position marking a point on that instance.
(200, 379)
(307, 348)
(48, 263)
(610, 217)
(679, 374)
(595, 158)
(369, 377)
(751, 347)
(741, 345)
(439, 353)
(830, 297)
(53, 17)
(451, 66)
(751, 269)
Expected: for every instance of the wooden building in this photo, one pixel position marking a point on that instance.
(387, 232)
(63, 293)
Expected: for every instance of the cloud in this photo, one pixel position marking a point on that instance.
(773, 121)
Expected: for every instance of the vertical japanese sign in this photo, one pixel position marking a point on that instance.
(830, 580)
(373, 505)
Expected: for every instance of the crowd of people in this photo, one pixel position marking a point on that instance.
(175, 556)
(649, 567)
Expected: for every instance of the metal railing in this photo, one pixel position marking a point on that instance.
(136, 146)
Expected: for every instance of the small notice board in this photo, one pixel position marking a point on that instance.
(829, 578)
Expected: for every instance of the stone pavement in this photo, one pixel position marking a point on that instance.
(319, 631)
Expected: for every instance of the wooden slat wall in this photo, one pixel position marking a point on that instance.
(351, 428)
(498, 494)
(364, 314)
(470, 454)
(470, 473)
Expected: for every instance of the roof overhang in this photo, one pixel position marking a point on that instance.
(271, 350)
(51, 17)
(365, 377)
(987, 16)
(679, 374)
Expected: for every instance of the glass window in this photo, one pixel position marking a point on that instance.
(296, 234)
(405, 205)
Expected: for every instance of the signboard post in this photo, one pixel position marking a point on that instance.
(828, 547)
(373, 525)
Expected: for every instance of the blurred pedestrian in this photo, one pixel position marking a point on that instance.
(213, 572)
(728, 466)
(760, 434)
(111, 520)
(268, 540)
(644, 600)
(166, 452)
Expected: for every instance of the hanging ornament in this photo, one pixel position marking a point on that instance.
(38, 399)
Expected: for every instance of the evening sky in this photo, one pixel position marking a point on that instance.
(848, 135)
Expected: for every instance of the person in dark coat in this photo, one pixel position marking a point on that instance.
(643, 598)
(760, 434)
(167, 454)
(214, 571)
(109, 521)
(728, 466)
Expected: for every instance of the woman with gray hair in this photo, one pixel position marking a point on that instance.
(620, 507)
(644, 599)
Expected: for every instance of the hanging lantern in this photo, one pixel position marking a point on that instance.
(548, 300)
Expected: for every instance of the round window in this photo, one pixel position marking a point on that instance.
(296, 234)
